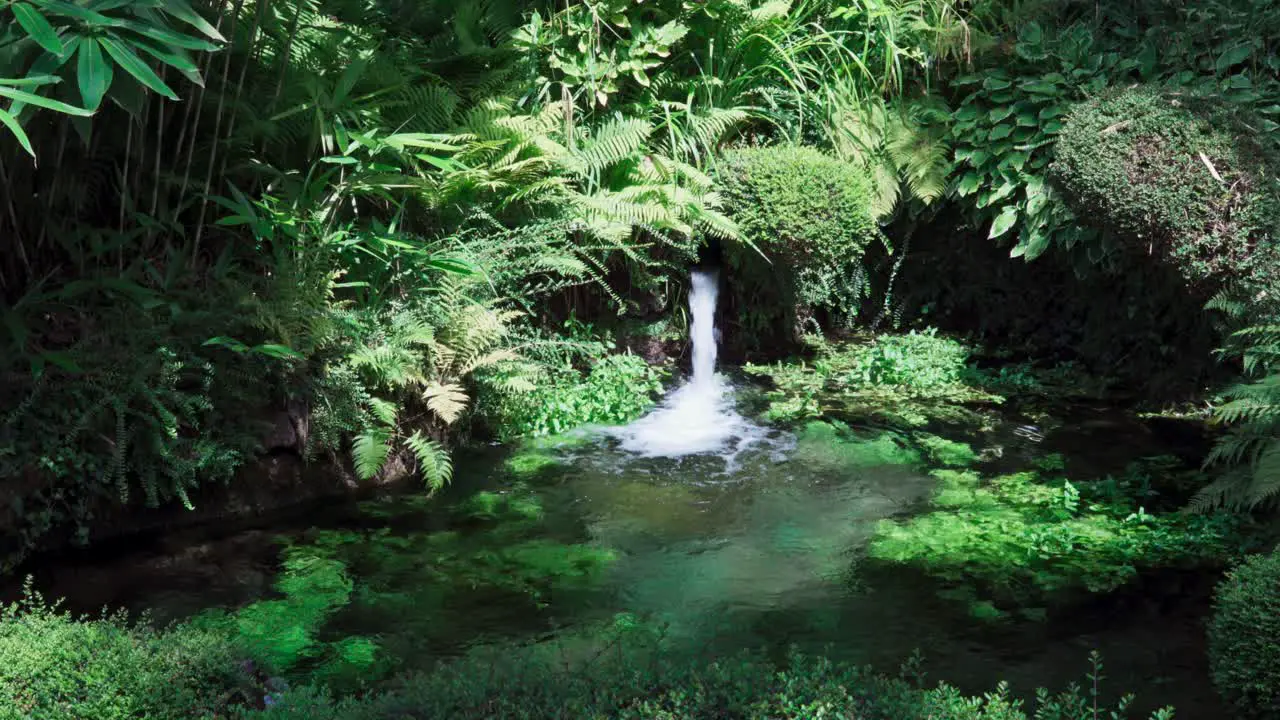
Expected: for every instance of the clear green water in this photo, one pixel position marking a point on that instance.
(768, 555)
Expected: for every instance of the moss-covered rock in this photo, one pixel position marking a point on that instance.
(1187, 178)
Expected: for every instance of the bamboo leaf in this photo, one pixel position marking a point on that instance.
(182, 10)
(132, 64)
(37, 27)
(43, 102)
(93, 73)
(17, 131)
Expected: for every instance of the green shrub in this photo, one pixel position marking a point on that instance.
(1244, 656)
(1179, 175)
(811, 215)
(54, 666)
(617, 389)
(619, 680)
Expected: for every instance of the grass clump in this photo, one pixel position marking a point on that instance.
(617, 389)
(643, 678)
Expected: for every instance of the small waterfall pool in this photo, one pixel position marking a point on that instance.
(730, 534)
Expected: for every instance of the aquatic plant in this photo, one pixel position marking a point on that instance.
(1027, 538)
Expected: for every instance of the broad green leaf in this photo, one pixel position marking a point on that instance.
(1015, 160)
(1000, 132)
(968, 184)
(1052, 111)
(1233, 56)
(17, 131)
(1003, 222)
(999, 113)
(93, 73)
(1040, 87)
(995, 83)
(88, 17)
(182, 10)
(43, 102)
(37, 27)
(127, 59)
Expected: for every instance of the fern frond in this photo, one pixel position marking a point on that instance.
(369, 451)
(447, 400)
(433, 460)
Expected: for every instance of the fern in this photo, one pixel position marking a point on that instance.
(370, 450)
(1252, 411)
(433, 460)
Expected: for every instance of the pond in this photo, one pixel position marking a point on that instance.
(763, 546)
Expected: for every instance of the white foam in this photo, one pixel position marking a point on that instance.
(699, 417)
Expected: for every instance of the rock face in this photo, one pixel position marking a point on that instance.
(279, 480)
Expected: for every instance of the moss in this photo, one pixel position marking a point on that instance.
(1182, 176)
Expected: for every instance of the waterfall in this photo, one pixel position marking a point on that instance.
(698, 417)
(703, 292)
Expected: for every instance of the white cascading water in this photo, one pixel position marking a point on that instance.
(698, 417)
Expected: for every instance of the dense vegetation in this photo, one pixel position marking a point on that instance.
(354, 236)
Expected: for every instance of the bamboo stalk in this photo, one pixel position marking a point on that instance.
(244, 71)
(194, 107)
(217, 132)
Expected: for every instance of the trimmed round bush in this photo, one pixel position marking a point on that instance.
(1244, 638)
(811, 215)
(1179, 176)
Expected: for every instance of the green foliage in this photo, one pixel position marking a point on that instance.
(1242, 655)
(810, 215)
(54, 666)
(1027, 537)
(905, 380)
(1183, 176)
(1006, 127)
(631, 673)
(1248, 454)
(616, 389)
